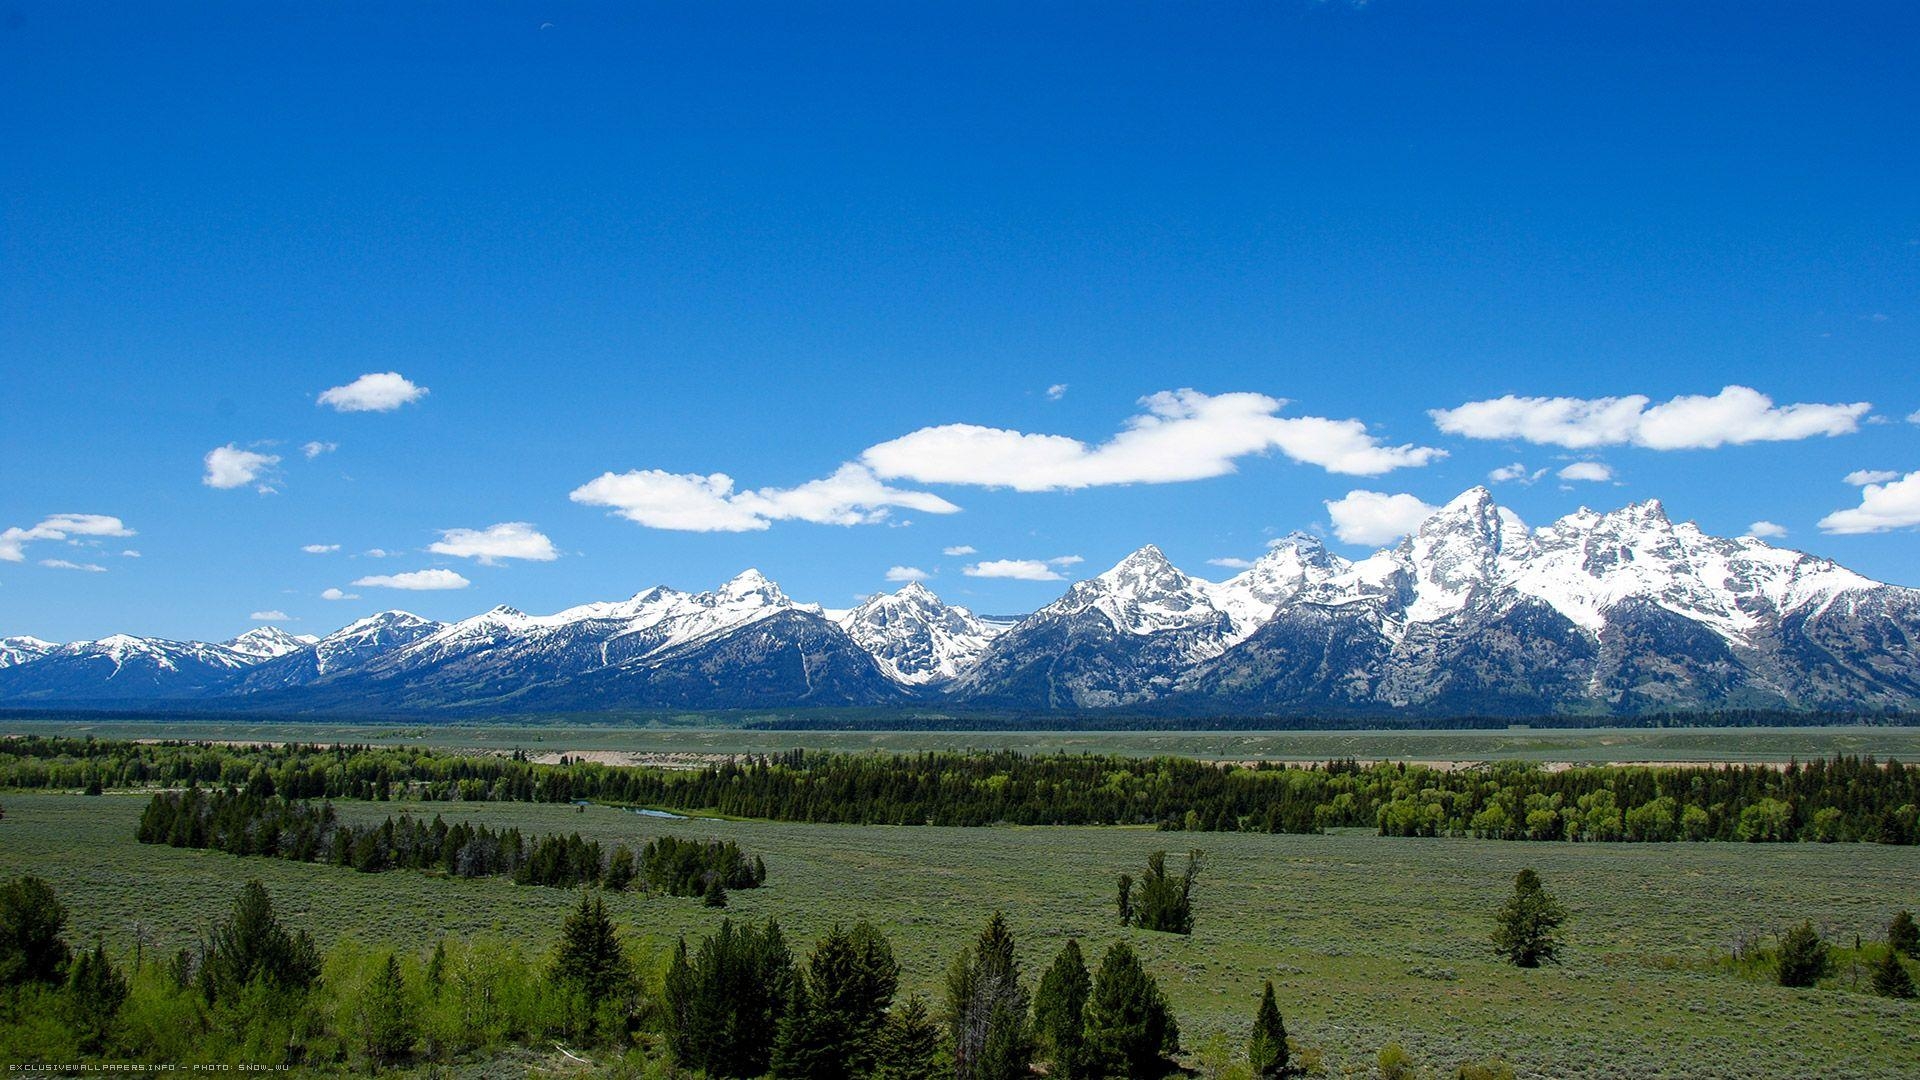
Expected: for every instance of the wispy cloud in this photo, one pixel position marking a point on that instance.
(1231, 562)
(1023, 569)
(415, 580)
(1863, 477)
(275, 615)
(1056, 391)
(906, 573)
(320, 549)
(338, 594)
(960, 549)
(382, 391)
(63, 564)
(1737, 414)
(496, 543)
(14, 540)
(1766, 530)
(315, 449)
(693, 503)
(1591, 471)
(1883, 508)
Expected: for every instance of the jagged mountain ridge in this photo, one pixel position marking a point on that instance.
(1474, 612)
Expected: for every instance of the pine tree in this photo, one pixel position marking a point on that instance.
(387, 1020)
(31, 920)
(909, 1047)
(1525, 925)
(1903, 935)
(1059, 1012)
(1267, 1049)
(724, 1005)
(1123, 901)
(1165, 902)
(716, 894)
(1890, 976)
(1804, 959)
(1130, 1030)
(589, 959)
(842, 1002)
(620, 869)
(804, 1048)
(95, 991)
(987, 1023)
(252, 946)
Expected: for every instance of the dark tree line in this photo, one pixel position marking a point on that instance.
(247, 823)
(1839, 799)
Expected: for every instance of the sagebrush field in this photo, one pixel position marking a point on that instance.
(1370, 940)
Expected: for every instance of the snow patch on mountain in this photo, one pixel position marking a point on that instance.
(916, 638)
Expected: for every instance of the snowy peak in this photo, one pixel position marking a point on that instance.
(1143, 594)
(267, 642)
(1293, 568)
(917, 638)
(23, 650)
(751, 585)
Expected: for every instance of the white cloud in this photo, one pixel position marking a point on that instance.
(231, 467)
(129, 554)
(14, 540)
(379, 553)
(960, 549)
(373, 392)
(1066, 560)
(337, 594)
(1737, 414)
(1594, 471)
(416, 580)
(1766, 530)
(1182, 435)
(1863, 477)
(1231, 563)
(491, 545)
(320, 549)
(694, 503)
(906, 573)
(315, 449)
(1515, 473)
(1374, 517)
(1016, 569)
(1914, 417)
(62, 564)
(1056, 391)
(1894, 505)
(275, 615)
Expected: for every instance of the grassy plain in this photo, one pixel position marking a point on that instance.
(1569, 745)
(1368, 939)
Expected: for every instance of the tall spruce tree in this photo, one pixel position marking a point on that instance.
(1526, 926)
(1267, 1049)
(988, 1028)
(95, 992)
(31, 922)
(1059, 1012)
(724, 1005)
(251, 946)
(1164, 901)
(590, 961)
(1131, 1032)
(848, 983)
(909, 1044)
(387, 1022)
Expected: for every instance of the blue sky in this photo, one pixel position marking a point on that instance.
(755, 240)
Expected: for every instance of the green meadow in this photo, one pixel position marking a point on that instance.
(1369, 940)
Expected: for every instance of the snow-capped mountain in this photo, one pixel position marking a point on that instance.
(1473, 613)
(916, 638)
(267, 642)
(20, 650)
(1116, 638)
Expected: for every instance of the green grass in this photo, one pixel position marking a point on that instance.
(1585, 745)
(1368, 939)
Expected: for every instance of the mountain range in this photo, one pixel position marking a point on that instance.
(1473, 613)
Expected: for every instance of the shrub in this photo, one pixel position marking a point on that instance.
(1804, 959)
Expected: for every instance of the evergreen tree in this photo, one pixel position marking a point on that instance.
(1130, 1030)
(1903, 935)
(987, 1024)
(909, 1047)
(31, 920)
(1059, 1012)
(842, 999)
(1165, 902)
(252, 946)
(1267, 1049)
(1525, 926)
(1890, 976)
(725, 1004)
(1124, 900)
(716, 894)
(589, 959)
(95, 992)
(387, 1022)
(1804, 959)
(620, 869)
